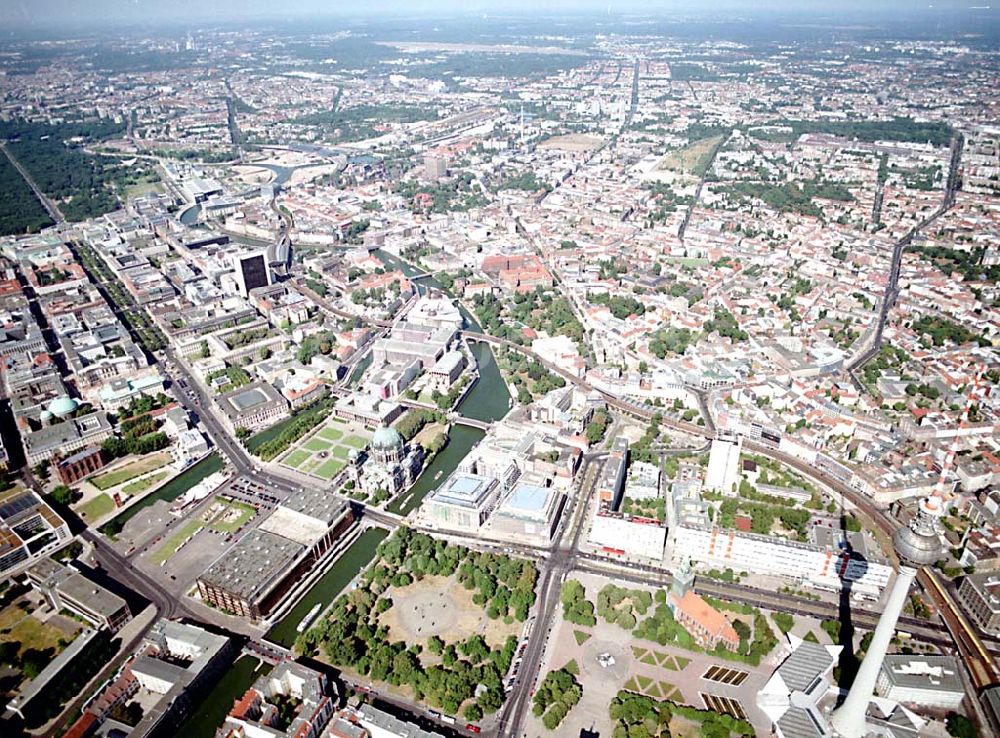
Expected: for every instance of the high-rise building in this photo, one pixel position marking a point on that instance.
(252, 271)
(723, 473)
(918, 544)
(435, 167)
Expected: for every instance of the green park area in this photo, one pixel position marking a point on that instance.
(130, 471)
(324, 454)
(96, 507)
(431, 621)
(222, 516)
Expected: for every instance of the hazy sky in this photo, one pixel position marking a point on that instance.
(43, 13)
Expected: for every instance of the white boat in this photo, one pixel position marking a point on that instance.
(307, 620)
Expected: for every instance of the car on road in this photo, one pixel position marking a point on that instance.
(473, 728)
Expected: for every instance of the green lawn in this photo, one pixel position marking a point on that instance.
(329, 468)
(170, 546)
(20, 626)
(131, 471)
(331, 434)
(341, 452)
(311, 464)
(295, 458)
(141, 485)
(355, 442)
(96, 507)
(581, 637)
(316, 444)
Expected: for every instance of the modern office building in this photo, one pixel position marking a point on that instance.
(980, 596)
(643, 482)
(251, 271)
(529, 513)
(806, 564)
(251, 577)
(791, 697)
(928, 681)
(67, 589)
(29, 529)
(463, 502)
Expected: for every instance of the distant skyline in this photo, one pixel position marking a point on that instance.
(96, 13)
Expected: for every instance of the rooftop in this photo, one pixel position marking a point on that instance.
(251, 567)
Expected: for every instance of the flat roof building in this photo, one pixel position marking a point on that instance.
(253, 405)
(980, 595)
(29, 529)
(529, 512)
(463, 501)
(66, 588)
(252, 576)
(248, 579)
(931, 681)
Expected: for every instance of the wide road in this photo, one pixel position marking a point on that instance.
(560, 563)
(891, 293)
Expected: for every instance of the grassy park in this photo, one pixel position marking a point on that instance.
(324, 453)
(130, 471)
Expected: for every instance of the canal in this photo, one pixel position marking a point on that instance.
(489, 400)
(208, 716)
(168, 492)
(346, 567)
(461, 439)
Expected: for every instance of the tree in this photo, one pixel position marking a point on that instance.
(65, 495)
(41, 469)
(960, 726)
(242, 433)
(784, 621)
(473, 712)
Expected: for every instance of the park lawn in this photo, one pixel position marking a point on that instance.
(27, 630)
(131, 471)
(690, 159)
(573, 668)
(644, 682)
(581, 637)
(295, 458)
(688, 261)
(309, 465)
(648, 658)
(669, 691)
(329, 468)
(632, 685)
(341, 452)
(141, 485)
(331, 434)
(315, 445)
(355, 442)
(96, 507)
(170, 546)
(246, 512)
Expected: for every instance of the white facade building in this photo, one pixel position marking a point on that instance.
(723, 473)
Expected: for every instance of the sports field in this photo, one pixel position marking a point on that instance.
(324, 454)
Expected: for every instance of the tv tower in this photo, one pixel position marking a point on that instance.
(917, 545)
